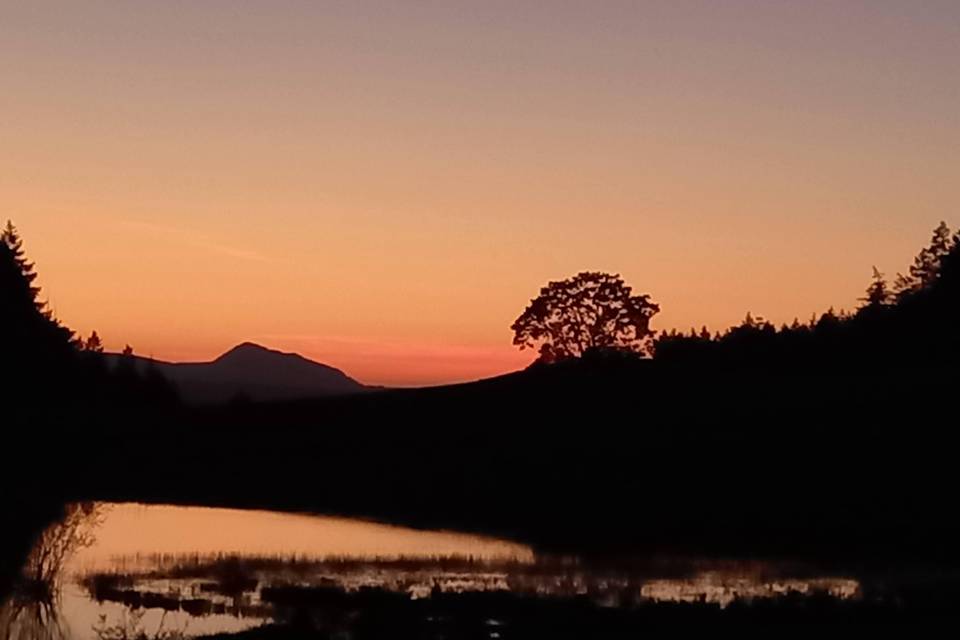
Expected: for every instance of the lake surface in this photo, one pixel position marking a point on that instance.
(131, 531)
(128, 570)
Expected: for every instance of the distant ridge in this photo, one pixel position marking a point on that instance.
(252, 372)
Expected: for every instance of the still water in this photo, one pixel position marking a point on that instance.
(120, 571)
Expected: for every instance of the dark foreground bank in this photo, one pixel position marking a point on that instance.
(375, 614)
(592, 459)
(582, 458)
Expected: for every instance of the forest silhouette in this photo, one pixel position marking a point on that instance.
(907, 323)
(47, 367)
(830, 439)
(910, 322)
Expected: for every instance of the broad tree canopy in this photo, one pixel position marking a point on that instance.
(591, 310)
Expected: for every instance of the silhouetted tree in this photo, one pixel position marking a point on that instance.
(903, 286)
(878, 293)
(916, 325)
(20, 296)
(590, 311)
(126, 374)
(828, 320)
(14, 244)
(42, 368)
(58, 542)
(93, 344)
(36, 345)
(926, 266)
(950, 264)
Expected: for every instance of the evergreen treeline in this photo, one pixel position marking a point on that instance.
(600, 453)
(912, 322)
(46, 368)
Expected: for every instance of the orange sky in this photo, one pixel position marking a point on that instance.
(383, 186)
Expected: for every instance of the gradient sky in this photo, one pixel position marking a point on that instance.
(383, 186)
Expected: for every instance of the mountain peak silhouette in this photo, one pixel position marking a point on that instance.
(255, 372)
(249, 351)
(249, 346)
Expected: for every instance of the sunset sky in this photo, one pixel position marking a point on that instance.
(383, 186)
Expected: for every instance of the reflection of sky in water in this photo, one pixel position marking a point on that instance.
(130, 530)
(80, 614)
(723, 589)
(270, 549)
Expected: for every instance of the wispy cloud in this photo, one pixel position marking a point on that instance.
(198, 240)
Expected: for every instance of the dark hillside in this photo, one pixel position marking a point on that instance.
(249, 372)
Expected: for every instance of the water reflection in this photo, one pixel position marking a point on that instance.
(33, 610)
(29, 619)
(58, 544)
(724, 589)
(113, 572)
(130, 626)
(138, 533)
